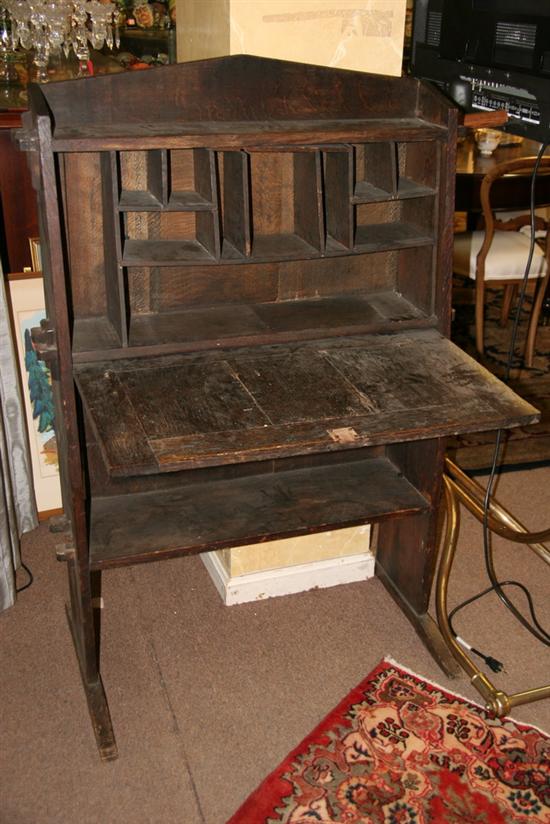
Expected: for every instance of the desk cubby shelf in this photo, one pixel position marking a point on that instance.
(247, 274)
(336, 184)
(166, 212)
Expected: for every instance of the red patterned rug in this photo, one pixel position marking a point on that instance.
(400, 750)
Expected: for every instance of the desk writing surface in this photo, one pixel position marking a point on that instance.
(215, 408)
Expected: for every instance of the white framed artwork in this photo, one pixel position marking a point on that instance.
(26, 293)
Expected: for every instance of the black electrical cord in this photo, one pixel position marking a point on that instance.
(30, 578)
(534, 627)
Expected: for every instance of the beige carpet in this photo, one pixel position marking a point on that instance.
(207, 699)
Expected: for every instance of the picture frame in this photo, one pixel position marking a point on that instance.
(26, 294)
(36, 254)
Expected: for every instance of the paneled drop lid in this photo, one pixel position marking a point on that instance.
(214, 408)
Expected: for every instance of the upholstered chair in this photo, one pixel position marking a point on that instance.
(498, 253)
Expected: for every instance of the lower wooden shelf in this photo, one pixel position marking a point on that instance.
(129, 529)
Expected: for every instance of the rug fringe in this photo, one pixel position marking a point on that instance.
(392, 662)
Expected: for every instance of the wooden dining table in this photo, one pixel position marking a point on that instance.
(511, 192)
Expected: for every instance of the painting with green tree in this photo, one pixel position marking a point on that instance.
(40, 390)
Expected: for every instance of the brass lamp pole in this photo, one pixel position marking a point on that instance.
(460, 489)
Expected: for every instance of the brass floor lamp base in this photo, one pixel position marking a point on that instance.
(460, 489)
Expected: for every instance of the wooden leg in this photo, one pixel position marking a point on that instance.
(510, 291)
(425, 626)
(84, 623)
(480, 311)
(406, 552)
(542, 287)
(97, 705)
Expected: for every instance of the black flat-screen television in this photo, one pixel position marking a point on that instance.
(488, 55)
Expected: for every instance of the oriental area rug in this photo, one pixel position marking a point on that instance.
(400, 750)
(526, 445)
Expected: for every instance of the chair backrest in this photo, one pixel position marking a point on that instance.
(523, 166)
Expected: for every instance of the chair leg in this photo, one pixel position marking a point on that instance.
(480, 310)
(510, 291)
(534, 320)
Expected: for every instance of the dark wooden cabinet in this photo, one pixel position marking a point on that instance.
(247, 268)
(18, 220)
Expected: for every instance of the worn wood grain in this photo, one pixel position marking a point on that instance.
(203, 327)
(318, 314)
(308, 199)
(232, 88)
(236, 202)
(376, 164)
(421, 292)
(188, 287)
(233, 136)
(272, 194)
(297, 387)
(206, 183)
(94, 334)
(377, 237)
(337, 275)
(82, 173)
(416, 165)
(164, 253)
(121, 435)
(130, 529)
(212, 324)
(157, 175)
(133, 167)
(190, 398)
(399, 546)
(196, 410)
(115, 296)
(338, 172)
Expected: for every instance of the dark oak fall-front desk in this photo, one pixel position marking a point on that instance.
(248, 281)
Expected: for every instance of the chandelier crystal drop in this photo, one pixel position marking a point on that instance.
(49, 26)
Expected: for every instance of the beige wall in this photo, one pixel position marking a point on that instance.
(323, 546)
(202, 29)
(366, 35)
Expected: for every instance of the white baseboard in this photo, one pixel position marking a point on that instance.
(256, 586)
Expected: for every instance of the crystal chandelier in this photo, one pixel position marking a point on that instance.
(48, 26)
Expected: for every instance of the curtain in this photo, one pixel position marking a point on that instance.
(17, 503)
